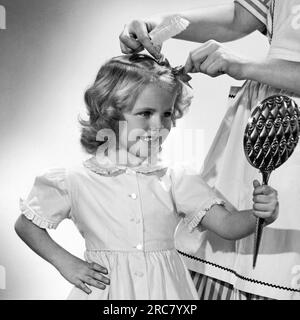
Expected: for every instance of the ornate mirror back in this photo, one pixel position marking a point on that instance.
(270, 138)
(272, 133)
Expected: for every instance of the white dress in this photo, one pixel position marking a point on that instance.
(128, 218)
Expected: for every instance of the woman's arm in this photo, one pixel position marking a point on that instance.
(73, 269)
(214, 59)
(277, 73)
(239, 224)
(221, 23)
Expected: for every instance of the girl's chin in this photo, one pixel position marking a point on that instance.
(145, 153)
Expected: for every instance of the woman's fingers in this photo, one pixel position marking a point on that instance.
(204, 66)
(135, 37)
(198, 56)
(189, 66)
(125, 49)
(128, 43)
(194, 60)
(215, 69)
(213, 59)
(143, 37)
(207, 56)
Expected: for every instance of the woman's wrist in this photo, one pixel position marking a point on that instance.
(250, 70)
(261, 71)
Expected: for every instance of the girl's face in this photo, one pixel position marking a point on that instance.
(148, 122)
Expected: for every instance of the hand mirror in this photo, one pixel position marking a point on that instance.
(271, 136)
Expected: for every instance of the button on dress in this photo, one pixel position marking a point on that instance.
(128, 219)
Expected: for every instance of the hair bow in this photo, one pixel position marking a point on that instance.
(178, 71)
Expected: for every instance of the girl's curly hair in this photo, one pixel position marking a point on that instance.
(116, 88)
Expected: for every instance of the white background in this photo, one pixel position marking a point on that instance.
(49, 54)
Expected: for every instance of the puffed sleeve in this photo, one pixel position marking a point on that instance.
(285, 43)
(258, 8)
(48, 202)
(192, 195)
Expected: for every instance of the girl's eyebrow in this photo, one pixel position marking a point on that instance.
(150, 109)
(145, 109)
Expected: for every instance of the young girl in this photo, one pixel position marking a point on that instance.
(124, 201)
(277, 271)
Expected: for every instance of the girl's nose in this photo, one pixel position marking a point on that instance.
(156, 122)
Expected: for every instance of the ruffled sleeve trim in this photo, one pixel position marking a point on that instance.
(30, 214)
(194, 221)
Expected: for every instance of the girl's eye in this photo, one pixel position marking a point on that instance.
(168, 114)
(145, 114)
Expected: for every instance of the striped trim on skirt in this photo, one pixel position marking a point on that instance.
(212, 289)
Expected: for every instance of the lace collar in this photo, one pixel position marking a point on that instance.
(106, 167)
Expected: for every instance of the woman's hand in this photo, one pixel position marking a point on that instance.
(80, 273)
(213, 59)
(135, 38)
(265, 202)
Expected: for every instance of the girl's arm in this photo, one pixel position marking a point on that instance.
(239, 224)
(229, 225)
(221, 23)
(73, 269)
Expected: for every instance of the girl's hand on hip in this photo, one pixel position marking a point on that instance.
(135, 38)
(213, 59)
(80, 273)
(265, 202)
